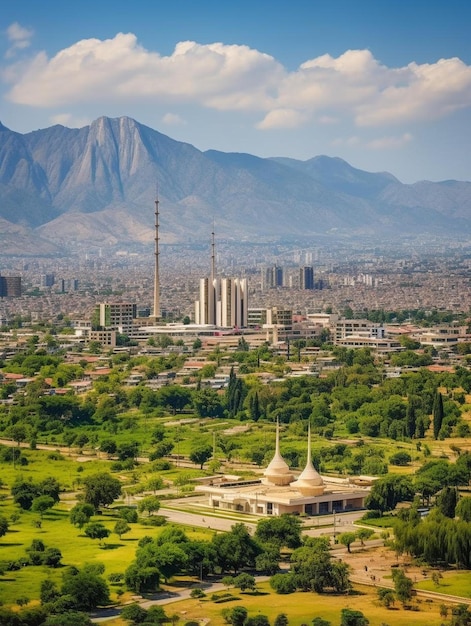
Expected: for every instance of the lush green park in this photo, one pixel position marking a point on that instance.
(123, 451)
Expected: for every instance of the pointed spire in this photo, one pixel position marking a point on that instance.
(277, 472)
(277, 441)
(309, 481)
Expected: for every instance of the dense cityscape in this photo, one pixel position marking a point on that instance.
(235, 313)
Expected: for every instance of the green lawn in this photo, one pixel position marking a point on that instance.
(77, 549)
(387, 521)
(301, 608)
(452, 583)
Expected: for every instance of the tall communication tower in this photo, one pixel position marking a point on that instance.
(156, 254)
(213, 256)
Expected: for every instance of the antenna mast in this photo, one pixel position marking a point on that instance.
(213, 256)
(156, 254)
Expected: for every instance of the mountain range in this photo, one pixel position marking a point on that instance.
(97, 185)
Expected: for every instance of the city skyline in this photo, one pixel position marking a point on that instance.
(383, 88)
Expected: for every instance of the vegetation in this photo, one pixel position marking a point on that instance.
(406, 431)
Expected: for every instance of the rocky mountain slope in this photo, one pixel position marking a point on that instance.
(97, 185)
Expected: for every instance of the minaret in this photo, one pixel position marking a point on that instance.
(156, 253)
(309, 482)
(277, 472)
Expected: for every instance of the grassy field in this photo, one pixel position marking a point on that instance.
(57, 531)
(302, 608)
(452, 583)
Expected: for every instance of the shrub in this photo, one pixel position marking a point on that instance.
(373, 514)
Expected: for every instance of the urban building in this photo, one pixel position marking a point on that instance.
(280, 491)
(114, 316)
(48, 280)
(223, 302)
(306, 277)
(360, 328)
(272, 277)
(10, 286)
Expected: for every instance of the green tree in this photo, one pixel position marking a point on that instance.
(140, 577)
(207, 403)
(447, 500)
(101, 489)
(3, 525)
(96, 530)
(24, 492)
(80, 514)
(87, 589)
(402, 585)
(174, 397)
(71, 618)
(134, 613)
(463, 509)
(18, 433)
(151, 504)
(364, 534)
(281, 620)
(387, 491)
(283, 530)
(437, 414)
(346, 539)
(41, 504)
(386, 597)
(52, 557)
(200, 454)
(49, 591)
(238, 616)
(400, 458)
(235, 549)
(283, 583)
(121, 527)
(351, 617)
(108, 446)
(245, 581)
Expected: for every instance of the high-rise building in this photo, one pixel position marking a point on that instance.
(114, 316)
(306, 277)
(10, 286)
(48, 280)
(272, 277)
(222, 302)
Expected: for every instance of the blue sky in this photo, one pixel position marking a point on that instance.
(384, 85)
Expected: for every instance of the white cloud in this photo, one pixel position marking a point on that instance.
(380, 143)
(388, 143)
(351, 87)
(20, 38)
(69, 120)
(173, 119)
(282, 118)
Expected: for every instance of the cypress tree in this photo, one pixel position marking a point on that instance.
(437, 414)
(411, 418)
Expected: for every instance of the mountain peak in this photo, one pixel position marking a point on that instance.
(109, 170)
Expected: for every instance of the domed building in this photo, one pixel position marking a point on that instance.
(280, 491)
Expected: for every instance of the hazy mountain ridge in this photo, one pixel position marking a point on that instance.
(97, 184)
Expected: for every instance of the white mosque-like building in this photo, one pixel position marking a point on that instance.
(279, 491)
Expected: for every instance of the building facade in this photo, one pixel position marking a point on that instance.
(223, 302)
